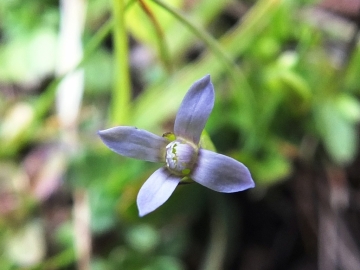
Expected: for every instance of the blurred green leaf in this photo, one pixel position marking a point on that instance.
(349, 107)
(65, 235)
(165, 263)
(143, 238)
(103, 212)
(339, 134)
(98, 72)
(270, 169)
(28, 58)
(205, 141)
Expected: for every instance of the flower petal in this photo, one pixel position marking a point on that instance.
(221, 173)
(135, 143)
(156, 190)
(195, 110)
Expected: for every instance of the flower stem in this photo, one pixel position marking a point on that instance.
(162, 46)
(203, 35)
(122, 88)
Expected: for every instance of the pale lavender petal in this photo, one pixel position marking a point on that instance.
(135, 143)
(156, 190)
(221, 173)
(195, 110)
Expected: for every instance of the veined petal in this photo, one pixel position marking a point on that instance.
(221, 173)
(195, 110)
(156, 190)
(135, 143)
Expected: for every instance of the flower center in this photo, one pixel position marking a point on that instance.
(180, 157)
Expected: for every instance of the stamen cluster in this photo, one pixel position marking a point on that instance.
(180, 157)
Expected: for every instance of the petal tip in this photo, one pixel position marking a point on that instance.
(206, 77)
(142, 207)
(142, 213)
(205, 80)
(102, 133)
(247, 182)
(251, 183)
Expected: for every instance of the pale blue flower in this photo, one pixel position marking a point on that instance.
(181, 152)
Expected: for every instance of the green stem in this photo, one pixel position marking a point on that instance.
(162, 47)
(122, 87)
(203, 35)
(218, 242)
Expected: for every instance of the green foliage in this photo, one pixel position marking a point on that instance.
(275, 81)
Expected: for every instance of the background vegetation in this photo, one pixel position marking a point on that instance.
(286, 75)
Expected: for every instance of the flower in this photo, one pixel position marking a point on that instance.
(180, 151)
